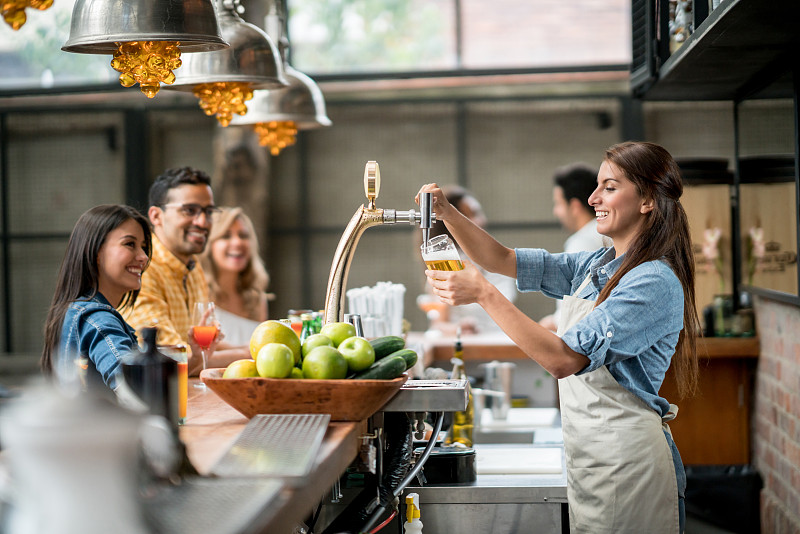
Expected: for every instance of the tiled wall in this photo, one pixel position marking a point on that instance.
(776, 421)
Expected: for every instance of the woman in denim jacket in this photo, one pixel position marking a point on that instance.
(107, 252)
(629, 312)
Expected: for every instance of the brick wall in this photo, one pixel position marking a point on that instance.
(776, 425)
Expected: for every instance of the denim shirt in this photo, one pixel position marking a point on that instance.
(94, 329)
(633, 332)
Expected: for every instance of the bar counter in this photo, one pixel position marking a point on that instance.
(712, 427)
(498, 346)
(212, 426)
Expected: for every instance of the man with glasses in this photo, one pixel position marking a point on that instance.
(181, 213)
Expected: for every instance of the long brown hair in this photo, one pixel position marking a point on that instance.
(78, 276)
(252, 282)
(664, 236)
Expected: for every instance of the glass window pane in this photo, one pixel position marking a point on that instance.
(372, 35)
(59, 166)
(34, 268)
(3, 299)
(411, 143)
(528, 141)
(546, 33)
(32, 55)
(768, 206)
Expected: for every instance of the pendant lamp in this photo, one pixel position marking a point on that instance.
(224, 80)
(277, 114)
(146, 37)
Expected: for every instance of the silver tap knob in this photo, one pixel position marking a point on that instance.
(427, 217)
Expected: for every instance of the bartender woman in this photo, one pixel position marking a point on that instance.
(628, 312)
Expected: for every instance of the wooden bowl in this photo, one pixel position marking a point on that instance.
(344, 400)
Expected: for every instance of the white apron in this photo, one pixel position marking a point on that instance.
(620, 473)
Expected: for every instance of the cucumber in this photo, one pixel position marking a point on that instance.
(387, 368)
(386, 345)
(408, 355)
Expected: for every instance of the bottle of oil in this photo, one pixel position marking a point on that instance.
(463, 422)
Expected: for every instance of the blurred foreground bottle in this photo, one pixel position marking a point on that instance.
(463, 422)
(153, 376)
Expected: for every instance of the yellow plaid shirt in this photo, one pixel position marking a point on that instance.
(169, 291)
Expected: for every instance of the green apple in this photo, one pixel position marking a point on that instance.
(296, 373)
(241, 369)
(338, 332)
(316, 340)
(324, 362)
(275, 360)
(358, 352)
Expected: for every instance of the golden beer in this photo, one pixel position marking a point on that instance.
(440, 254)
(437, 264)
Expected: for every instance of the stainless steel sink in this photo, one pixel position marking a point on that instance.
(522, 425)
(502, 436)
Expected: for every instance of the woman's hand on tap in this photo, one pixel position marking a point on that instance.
(459, 287)
(441, 206)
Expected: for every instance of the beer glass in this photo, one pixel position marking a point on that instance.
(441, 254)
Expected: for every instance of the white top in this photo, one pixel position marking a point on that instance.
(585, 239)
(237, 329)
(482, 320)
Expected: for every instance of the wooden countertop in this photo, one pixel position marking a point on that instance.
(499, 347)
(212, 426)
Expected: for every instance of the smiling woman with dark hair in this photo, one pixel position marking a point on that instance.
(628, 315)
(107, 252)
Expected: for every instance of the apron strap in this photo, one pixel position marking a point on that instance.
(583, 284)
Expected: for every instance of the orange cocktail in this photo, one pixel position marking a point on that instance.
(183, 389)
(179, 354)
(204, 335)
(204, 331)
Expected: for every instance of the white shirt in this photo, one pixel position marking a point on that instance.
(474, 312)
(237, 329)
(585, 239)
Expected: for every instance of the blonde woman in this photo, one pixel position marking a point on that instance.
(237, 279)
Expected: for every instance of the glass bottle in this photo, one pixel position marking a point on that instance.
(308, 326)
(463, 422)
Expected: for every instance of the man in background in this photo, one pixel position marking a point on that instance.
(181, 213)
(572, 187)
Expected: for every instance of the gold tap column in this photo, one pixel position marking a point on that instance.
(363, 218)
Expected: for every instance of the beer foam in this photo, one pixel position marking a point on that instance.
(441, 255)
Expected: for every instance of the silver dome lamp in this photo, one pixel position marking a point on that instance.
(224, 80)
(146, 37)
(277, 114)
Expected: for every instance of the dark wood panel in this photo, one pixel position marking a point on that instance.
(713, 427)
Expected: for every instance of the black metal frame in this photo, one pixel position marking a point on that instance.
(775, 72)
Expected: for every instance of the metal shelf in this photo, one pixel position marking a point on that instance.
(739, 42)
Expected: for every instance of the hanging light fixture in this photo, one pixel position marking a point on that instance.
(146, 37)
(224, 80)
(14, 10)
(277, 114)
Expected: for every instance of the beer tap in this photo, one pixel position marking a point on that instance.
(426, 215)
(366, 216)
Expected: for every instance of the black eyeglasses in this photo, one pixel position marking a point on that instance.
(194, 210)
